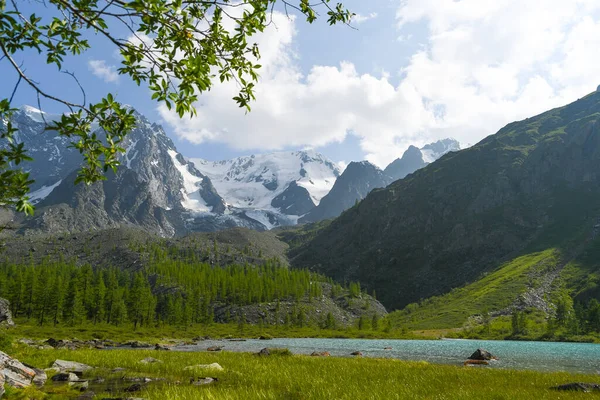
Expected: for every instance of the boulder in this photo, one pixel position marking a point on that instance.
(27, 342)
(40, 377)
(65, 377)
(80, 385)
(149, 360)
(356, 353)
(16, 374)
(1, 385)
(264, 352)
(481, 354)
(89, 395)
(5, 314)
(71, 366)
(136, 387)
(579, 387)
(320, 354)
(214, 366)
(202, 381)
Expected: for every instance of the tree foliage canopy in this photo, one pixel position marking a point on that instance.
(177, 48)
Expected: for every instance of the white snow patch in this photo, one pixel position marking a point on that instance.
(42, 193)
(129, 158)
(240, 181)
(429, 156)
(192, 200)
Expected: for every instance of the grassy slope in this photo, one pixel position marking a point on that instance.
(494, 291)
(250, 377)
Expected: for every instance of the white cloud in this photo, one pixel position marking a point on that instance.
(486, 63)
(106, 72)
(359, 18)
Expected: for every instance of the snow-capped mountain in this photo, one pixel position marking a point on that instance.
(415, 158)
(286, 183)
(158, 189)
(360, 178)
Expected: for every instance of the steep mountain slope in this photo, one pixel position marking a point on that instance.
(533, 186)
(360, 178)
(357, 180)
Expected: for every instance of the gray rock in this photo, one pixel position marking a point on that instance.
(214, 366)
(5, 314)
(202, 381)
(136, 387)
(71, 366)
(16, 374)
(79, 385)
(40, 378)
(65, 377)
(579, 387)
(149, 360)
(481, 354)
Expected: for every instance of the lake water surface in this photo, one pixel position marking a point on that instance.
(539, 356)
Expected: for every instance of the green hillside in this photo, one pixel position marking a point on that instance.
(495, 291)
(529, 190)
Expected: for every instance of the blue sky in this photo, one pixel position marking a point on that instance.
(413, 71)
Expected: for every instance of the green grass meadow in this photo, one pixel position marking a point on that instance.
(248, 377)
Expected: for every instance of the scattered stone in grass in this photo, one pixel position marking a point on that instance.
(40, 377)
(119, 369)
(265, 337)
(65, 377)
(215, 348)
(273, 351)
(579, 387)
(99, 380)
(202, 381)
(161, 347)
(88, 395)
(214, 366)
(81, 385)
(28, 342)
(71, 366)
(136, 387)
(481, 354)
(136, 344)
(356, 353)
(320, 354)
(149, 360)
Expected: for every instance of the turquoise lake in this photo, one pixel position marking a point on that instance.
(539, 356)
